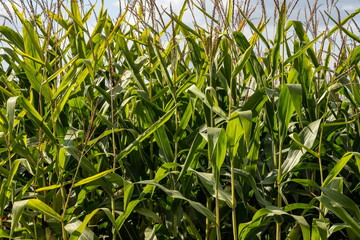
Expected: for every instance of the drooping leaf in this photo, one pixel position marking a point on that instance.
(306, 138)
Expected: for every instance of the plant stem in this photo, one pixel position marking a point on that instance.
(208, 223)
(233, 200)
(112, 133)
(63, 231)
(279, 202)
(217, 208)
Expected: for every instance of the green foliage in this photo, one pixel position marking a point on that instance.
(116, 132)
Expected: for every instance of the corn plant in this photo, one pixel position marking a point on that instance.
(151, 129)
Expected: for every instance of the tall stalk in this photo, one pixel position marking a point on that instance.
(278, 180)
(112, 109)
(282, 19)
(211, 124)
(232, 174)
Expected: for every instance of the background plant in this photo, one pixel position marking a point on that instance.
(147, 127)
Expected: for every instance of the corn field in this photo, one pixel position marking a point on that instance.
(148, 127)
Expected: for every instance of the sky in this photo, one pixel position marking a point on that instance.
(113, 8)
(343, 6)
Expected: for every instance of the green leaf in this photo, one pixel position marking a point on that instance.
(343, 22)
(234, 131)
(37, 205)
(217, 145)
(319, 230)
(343, 200)
(148, 213)
(230, 11)
(133, 67)
(129, 209)
(10, 109)
(303, 37)
(239, 124)
(185, 118)
(34, 204)
(13, 37)
(5, 190)
(4, 234)
(161, 137)
(271, 212)
(196, 145)
(295, 91)
(302, 50)
(285, 111)
(94, 177)
(89, 168)
(146, 134)
(61, 70)
(341, 213)
(203, 98)
(279, 37)
(241, 63)
(207, 180)
(337, 168)
(307, 138)
(104, 134)
(161, 173)
(47, 188)
(255, 102)
(80, 230)
(36, 81)
(129, 189)
(249, 179)
(37, 119)
(176, 194)
(64, 99)
(74, 224)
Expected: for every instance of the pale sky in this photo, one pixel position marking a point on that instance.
(113, 8)
(343, 6)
